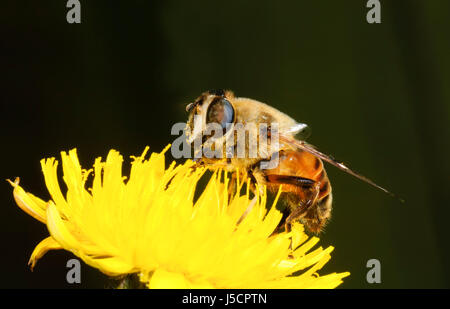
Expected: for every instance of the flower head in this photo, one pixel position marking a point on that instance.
(151, 224)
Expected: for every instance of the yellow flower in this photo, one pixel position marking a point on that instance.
(151, 224)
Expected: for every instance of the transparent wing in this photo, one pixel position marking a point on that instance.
(298, 144)
(301, 131)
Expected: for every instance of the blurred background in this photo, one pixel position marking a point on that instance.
(376, 96)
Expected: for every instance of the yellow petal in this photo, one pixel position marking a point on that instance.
(111, 266)
(298, 235)
(59, 230)
(162, 279)
(47, 244)
(29, 203)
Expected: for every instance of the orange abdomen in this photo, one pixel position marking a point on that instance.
(305, 186)
(302, 164)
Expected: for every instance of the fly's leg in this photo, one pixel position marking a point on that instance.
(303, 193)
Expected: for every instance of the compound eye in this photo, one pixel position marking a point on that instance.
(221, 112)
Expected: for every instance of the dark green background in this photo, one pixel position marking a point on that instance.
(376, 96)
